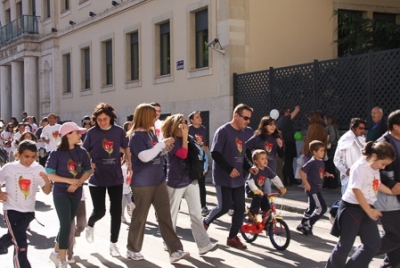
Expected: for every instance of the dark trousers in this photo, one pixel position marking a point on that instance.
(259, 201)
(226, 196)
(355, 222)
(98, 195)
(203, 193)
(391, 239)
(17, 223)
(66, 209)
(287, 168)
(316, 208)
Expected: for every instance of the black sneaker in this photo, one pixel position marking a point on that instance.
(301, 229)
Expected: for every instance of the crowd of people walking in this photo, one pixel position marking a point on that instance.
(148, 162)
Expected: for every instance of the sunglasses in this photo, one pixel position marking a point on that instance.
(246, 118)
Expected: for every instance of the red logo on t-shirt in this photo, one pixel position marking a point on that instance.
(261, 180)
(239, 145)
(375, 185)
(321, 173)
(268, 147)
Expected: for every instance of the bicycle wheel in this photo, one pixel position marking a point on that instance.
(279, 234)
(249, 237)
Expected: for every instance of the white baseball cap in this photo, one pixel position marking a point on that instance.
(68, 127)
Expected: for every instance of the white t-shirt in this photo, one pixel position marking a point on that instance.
(21, 185)
(364, 178)
(51, 133)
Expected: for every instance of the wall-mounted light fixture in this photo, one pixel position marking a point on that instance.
(114, 3)
(71, 22)
(54, 30)
(92, 14)
(216, 45)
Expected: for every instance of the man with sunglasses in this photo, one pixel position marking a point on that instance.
(228, 151)
(349, 149)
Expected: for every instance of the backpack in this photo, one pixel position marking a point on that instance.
(194, 162)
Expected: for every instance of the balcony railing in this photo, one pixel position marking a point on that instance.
(24, 24)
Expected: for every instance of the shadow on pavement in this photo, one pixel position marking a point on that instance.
(83, 262)
(41, 206)
(40, 241)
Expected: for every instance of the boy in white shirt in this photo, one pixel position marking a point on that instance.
(22, 179)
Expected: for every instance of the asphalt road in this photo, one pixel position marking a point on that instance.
(303, 251)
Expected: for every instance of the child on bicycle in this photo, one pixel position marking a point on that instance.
(255, 183)
(312, 174)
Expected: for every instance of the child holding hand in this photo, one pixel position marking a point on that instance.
(312, 174)
(255, 184)
(356, 215)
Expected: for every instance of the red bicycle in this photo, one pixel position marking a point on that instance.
(274, 225)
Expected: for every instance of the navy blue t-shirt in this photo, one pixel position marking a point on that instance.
(150, 173)
(64, 163)
(260, 178)
(315, 170)
(104, 147)
(200, 132)
(231, 144)
(269, 145)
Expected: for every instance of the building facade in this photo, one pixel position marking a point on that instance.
(66, 56)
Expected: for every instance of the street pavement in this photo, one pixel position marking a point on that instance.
(303, 251)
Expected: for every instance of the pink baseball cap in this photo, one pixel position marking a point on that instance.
(68, 127)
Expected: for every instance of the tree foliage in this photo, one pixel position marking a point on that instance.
(358, 35)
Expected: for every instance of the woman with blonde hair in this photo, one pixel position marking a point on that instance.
(148, 184)
(179, 183)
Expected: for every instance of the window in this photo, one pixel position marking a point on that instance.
(47, 9)
(8, 16)
(165, 49)
(134, 56)
(33, 7)
(201, 25)
(85, 54)
(348, 23)
(108, 63)
(384, 17)
(18, 8)
(67, 73)
(65, 5)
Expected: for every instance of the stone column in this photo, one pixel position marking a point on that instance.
(17, 91)
(31, 92)
(5, 91)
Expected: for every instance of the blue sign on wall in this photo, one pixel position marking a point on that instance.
(180, 65)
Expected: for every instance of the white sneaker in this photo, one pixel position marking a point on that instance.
(136, 256)
(72, 260)
(55, 257)
(123, 219)
(210, 247)
(114, 250)
(62, 264)
(178, 255)
(130, 207)
(89, 231)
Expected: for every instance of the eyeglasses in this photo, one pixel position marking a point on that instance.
(184, 122)
(361, 128)
(246, 118)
